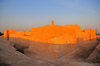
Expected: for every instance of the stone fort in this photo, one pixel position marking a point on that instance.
(56, 34)
(51, 40)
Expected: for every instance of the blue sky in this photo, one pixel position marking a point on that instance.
(25, 14)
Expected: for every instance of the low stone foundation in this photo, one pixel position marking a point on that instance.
(55, 50)
(50, 50)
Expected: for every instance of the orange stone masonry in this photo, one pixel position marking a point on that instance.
(5, 33)
(52, 22)
(56, 34)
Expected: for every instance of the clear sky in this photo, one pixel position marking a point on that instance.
(25, 14)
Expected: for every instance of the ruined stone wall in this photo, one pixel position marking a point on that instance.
(51, 40)
(53, 34)
(89, 34)
(52, 50)
(56, 34)
(19, 34)
(5, 33)
(74, 26)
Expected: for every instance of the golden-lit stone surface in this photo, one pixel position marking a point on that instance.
(5, 33)
(56, 34)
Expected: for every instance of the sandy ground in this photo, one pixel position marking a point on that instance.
(10, 57)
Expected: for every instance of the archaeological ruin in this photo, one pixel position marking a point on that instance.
(51, 40)
(56, 34)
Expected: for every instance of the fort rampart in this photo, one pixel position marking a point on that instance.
(52, 40)
(56, 34)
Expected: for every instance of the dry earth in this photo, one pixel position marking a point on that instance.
(10, 57)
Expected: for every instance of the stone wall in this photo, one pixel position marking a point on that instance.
(47, 49)
(56, 34)
(50, 40)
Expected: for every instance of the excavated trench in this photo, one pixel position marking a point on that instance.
(20, 48)
(88, 52)
(3, 63)
(79, 54)
(94, 57)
